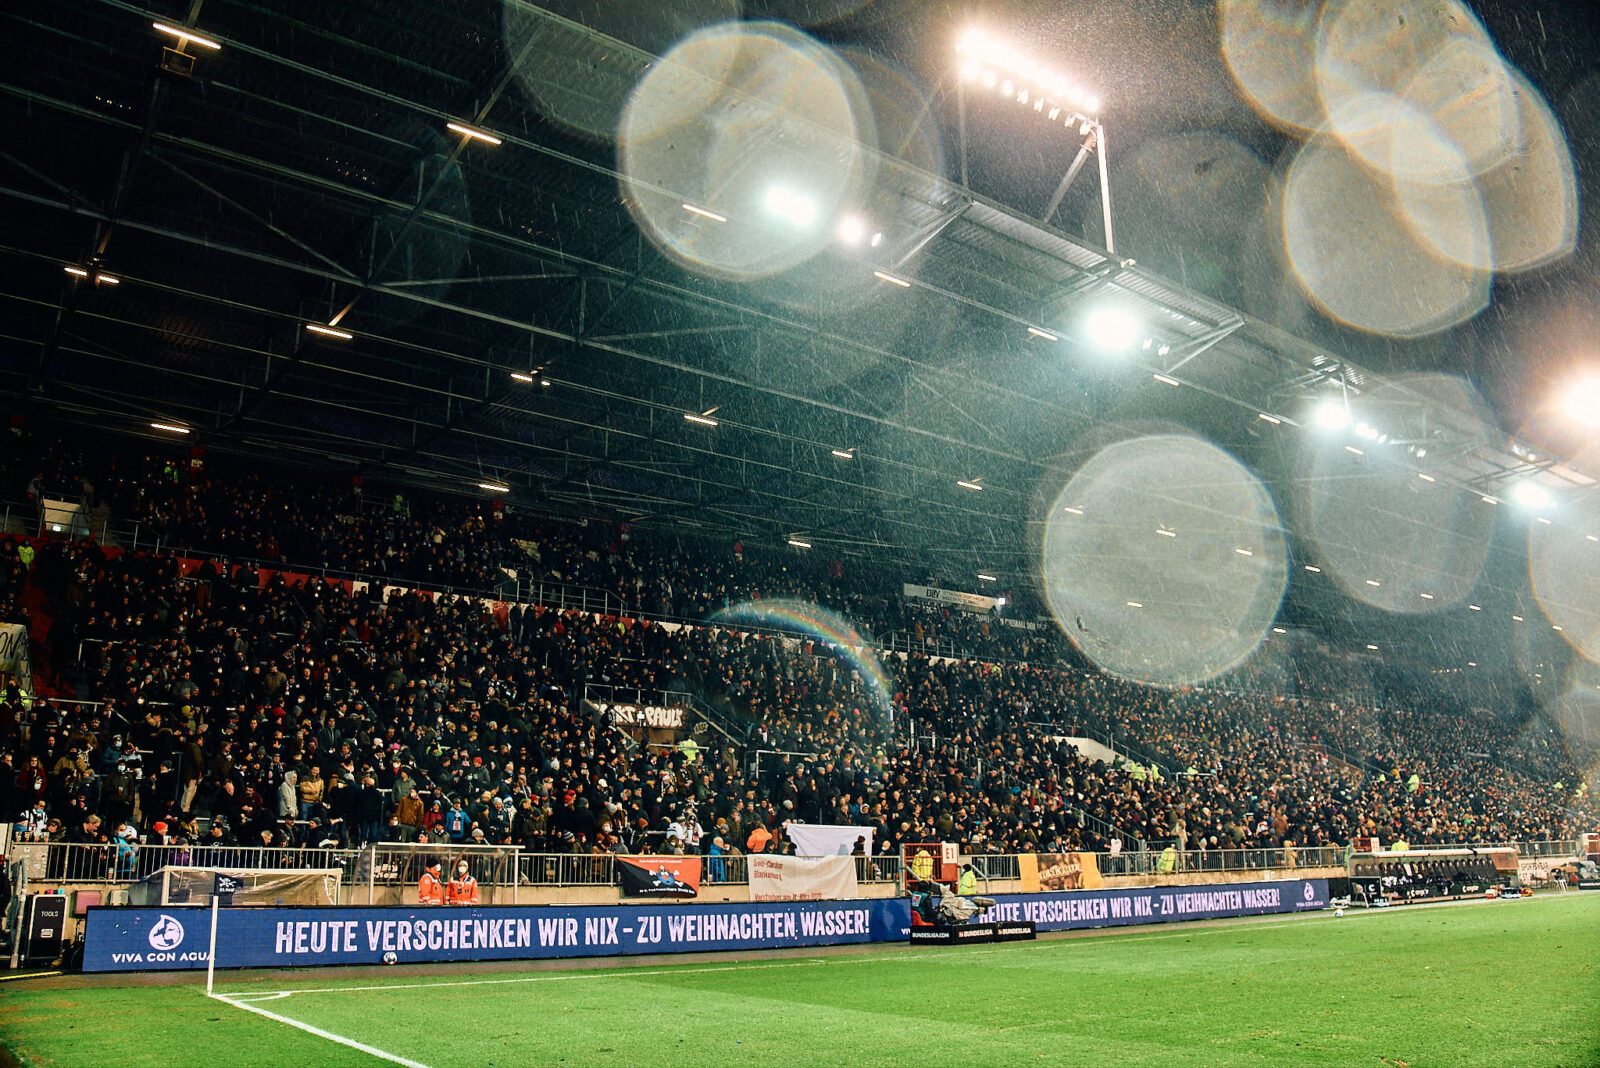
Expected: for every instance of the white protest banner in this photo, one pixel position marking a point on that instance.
(827, 839)
(14, 659)
(775, 878)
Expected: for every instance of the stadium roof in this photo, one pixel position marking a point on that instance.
(510, 324)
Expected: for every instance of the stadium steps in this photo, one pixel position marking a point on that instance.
(41, 617)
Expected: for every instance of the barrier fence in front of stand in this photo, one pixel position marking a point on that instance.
(392, 867)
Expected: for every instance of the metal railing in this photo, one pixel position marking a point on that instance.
(77, 862)
(1149, 861)
(388, 867)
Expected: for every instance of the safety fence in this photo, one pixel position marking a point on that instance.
(396, 865)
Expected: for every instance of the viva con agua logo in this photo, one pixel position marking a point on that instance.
(166, 935)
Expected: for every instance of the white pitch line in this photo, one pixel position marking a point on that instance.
(371, 1051)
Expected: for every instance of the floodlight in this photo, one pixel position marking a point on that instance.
(171, 428)
(1531, 495)
(795, 208)
(1112, 328)
(852, 230)
(494, 487)
(1582, 401)
(1333, 415)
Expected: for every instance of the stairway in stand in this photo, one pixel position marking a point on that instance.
(41, 617)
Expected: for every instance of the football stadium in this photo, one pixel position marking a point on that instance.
(840, 532)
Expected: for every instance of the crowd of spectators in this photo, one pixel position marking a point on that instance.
(227, 711)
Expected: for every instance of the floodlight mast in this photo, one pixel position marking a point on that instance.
(1047, 87)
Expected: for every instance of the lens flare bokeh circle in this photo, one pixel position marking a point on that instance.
(1163, 559)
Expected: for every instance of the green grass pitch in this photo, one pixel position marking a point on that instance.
(1492, 983)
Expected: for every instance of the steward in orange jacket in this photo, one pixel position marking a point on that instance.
(430, 891)
(463, 888)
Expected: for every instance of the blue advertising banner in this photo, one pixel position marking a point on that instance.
(162, 939)
(1078, 909)
(151, 939)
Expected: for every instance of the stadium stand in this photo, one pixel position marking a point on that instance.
(204, 695)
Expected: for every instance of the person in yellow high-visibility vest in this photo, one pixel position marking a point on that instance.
(967, 884)
(1168, 863)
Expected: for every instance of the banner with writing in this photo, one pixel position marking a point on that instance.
(176, 937)
(971, 602)
(14, 659)
(1059, 871)
(775, 878)
(167, 939)
(629, 715)
(659, 876)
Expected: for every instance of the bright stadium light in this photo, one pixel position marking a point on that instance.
(1046, 335)
(171, 428)
(853, 230)
(329, 331)
(844, 454)
(1531, 495)
(494, 487)
(1582, 401)
(704, 213)
(799, 543)
(973, 484)
(795, 208)
(473, 134)
(994, 63)
(1112, 328)
(186, 36)
(1332, 414)
(984, 576)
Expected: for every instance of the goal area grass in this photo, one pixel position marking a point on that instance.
(1484, 983)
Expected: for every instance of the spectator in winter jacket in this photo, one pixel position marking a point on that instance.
(311, 791)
